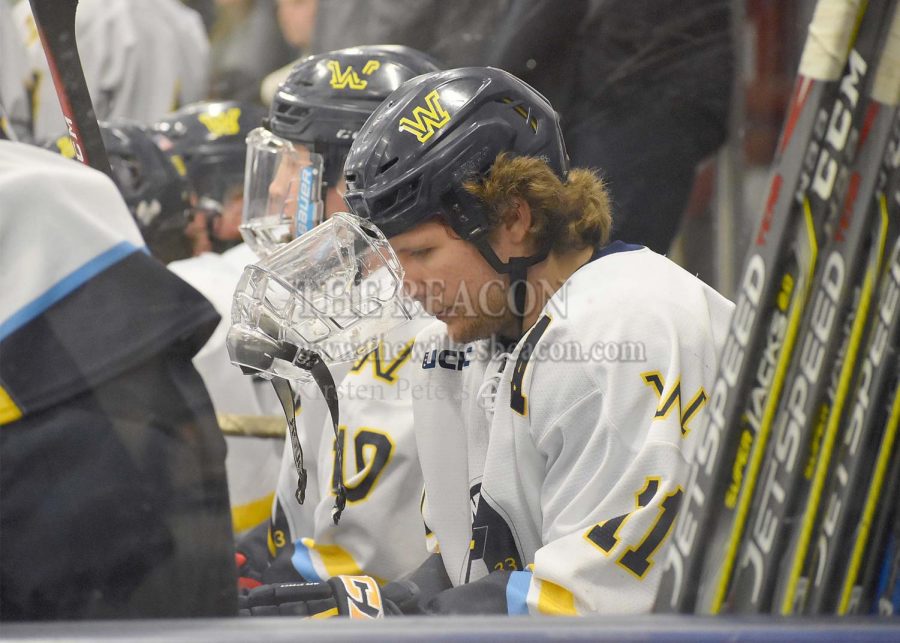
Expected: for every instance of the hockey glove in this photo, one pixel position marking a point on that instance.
(281, 569)
(252, 557)
(353, 596)
(248, 578)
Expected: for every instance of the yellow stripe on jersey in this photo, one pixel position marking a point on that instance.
(327, 613)
(9, 412)
(336, 559)
(249, 515)
(555, 600)
(270, 544)
(431, 544)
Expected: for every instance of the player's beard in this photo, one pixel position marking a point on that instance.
(492, 319)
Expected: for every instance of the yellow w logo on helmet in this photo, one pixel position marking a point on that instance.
(224, 124)
(425, 120)
(346, 78)
(65, 146)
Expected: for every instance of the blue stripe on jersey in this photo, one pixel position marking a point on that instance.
(303, 563)
(517, 593)
(65, 286)
(613, 248)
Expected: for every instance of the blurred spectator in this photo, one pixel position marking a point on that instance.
(642, 86)
(113, 500)
(455, 33)
(246, 46)
(141, 59)
(649, 102)
(206, 9)
(297, 20)
(15, 75)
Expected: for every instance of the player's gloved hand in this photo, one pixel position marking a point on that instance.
(281, 568)
(353, 596)
(252, 557)
(248, 578)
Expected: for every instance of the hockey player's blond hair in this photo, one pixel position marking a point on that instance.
(571, 214)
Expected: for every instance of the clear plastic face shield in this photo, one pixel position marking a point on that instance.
(332, 293)
(282, 191)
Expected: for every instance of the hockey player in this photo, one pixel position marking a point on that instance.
(209, 140)
(565, 376)
(112, 491)
(318, 111)
(160, 201)
(155, 192)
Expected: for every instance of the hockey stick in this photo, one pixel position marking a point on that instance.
(870, 539)
(863, 425)
(789, 457)
(818, 455)
(703, 547)
(805, 427)
(55, 21)
(887, 598)
(252, 426)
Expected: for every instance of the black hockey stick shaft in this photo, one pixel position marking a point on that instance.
(862, 422)
(863, 425)
(833, 328)
(887, 599)
(55, 21)
(879, 511)
(805, 548)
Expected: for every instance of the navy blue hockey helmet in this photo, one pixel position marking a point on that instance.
(438, 131)
(152, 187)
(327, 97)
(209, 139)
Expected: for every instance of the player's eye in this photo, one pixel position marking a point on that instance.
(420, 253)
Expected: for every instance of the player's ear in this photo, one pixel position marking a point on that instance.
(517, 221)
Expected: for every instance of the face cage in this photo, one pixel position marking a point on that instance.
(282, 191)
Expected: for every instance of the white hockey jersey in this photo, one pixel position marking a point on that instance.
(141, 59)
(252, 462)
(562, 464)
(380, 533)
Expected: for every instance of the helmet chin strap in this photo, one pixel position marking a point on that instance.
(517, 269)
(466, 217)
(322, 376)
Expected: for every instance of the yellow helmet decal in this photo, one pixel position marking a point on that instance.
(224, 124)
(425, 120)
(347, 78)
(178, 162)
